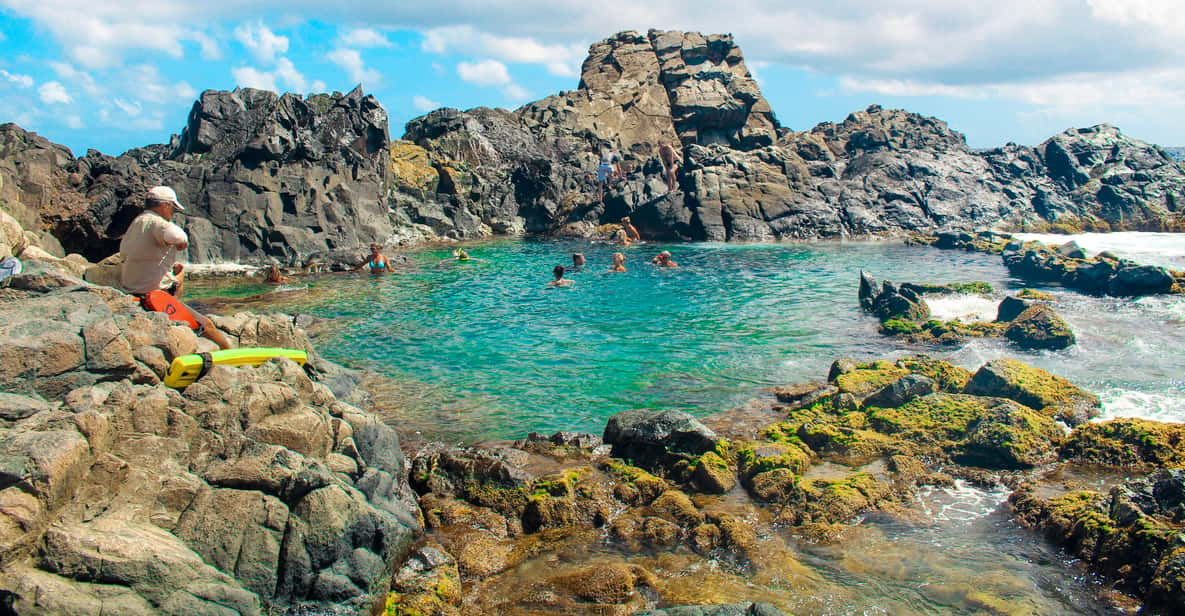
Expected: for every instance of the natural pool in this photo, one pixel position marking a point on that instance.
(484, 350)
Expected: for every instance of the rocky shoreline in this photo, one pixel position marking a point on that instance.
(312, 180)
(279, 489)
(273, 489)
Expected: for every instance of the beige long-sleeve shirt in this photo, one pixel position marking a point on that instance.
(148, 250)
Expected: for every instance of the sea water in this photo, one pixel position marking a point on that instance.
(484, 349)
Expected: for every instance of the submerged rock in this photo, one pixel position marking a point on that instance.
(731, 609)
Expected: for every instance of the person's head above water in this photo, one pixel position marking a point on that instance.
(558, 271)
(375, 248)
(578, 259)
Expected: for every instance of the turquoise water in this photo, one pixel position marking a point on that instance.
(485, 350)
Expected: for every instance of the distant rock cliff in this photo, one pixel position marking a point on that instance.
(281, 178)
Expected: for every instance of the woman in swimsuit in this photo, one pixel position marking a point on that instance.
(377, 262)
(618, 262)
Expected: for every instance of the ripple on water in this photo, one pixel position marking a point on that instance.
(485, 351)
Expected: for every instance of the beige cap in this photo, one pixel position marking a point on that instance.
(164, 194)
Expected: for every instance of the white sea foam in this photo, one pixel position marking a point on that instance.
(962, 307)
(1163, 249)
(1161, 406)
(214, 269)
(961, 503)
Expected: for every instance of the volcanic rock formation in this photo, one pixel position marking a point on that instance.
(281, 178)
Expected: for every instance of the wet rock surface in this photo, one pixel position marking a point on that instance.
(863, 442)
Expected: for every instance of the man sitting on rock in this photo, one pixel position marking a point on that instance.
(150, 269)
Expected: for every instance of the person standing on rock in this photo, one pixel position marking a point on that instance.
(608, 170)
(670, 164)
(150, 270)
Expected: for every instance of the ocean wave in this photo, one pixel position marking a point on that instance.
(1163, 249)
(1161, 406)
(962, 307)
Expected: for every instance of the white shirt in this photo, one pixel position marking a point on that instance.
(148, 250)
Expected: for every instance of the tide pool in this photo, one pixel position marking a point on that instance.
(483, 349)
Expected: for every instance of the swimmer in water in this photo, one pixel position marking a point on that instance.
(560, 281)
(663, 259)
(274, 276)
(460, 254)
(618, 263)
(577, 261)
(377, 262)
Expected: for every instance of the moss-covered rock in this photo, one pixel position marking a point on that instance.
(1035, 388)
(1132, 533)
(899, 327)
(1027, 293)
(831, 501)
(636, 486)
(1128, 442)
(675, 506)
(1011, 436)
(1040, 327)
(931, 418)
(946, 376)
(968, 288)
(610, 583)
(759, 457)
(428, 584)
(868, 377)
(411, 169)
(713, 474)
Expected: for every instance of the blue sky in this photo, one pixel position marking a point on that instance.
(110, 76)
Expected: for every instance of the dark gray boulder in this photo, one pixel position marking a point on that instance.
(1040, 327)
(653, 438)
(1131, 279)
(901, 391)
(1010, 308)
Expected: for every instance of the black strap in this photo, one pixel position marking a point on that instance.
(207, 363)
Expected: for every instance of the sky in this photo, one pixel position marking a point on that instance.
(114, 75)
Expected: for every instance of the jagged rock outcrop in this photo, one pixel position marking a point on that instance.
(253, 490)
(292, 179)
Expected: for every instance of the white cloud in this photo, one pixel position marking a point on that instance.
(146, 82)
(559, 60)
(484, 73)
(350, 61)
(516, 93)
(210, 50)
(131, 109)
(263, 44)
(74, 122)
(1081, 90)
(82, 79)
(364, 37)
(21, 81)
(249, 77)
(423, 103)
(318, 86)
(54, 92)
(286, 72)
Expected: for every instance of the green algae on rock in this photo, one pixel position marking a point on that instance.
(1128, 442)
(1033, 387)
